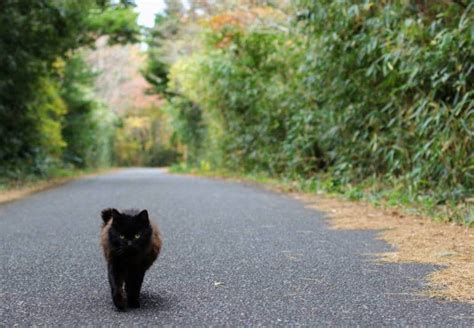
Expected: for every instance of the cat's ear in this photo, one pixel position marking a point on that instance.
(142, 217)
(117, 216)
(110, 213)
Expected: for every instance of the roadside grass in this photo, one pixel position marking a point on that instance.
(392, 195)
(13, 189)
(420, 230)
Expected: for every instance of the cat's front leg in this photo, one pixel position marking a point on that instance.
(133, 284)
(116, 286)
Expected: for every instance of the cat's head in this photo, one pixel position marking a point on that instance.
(130, 230)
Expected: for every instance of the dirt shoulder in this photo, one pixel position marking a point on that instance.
(22, 190)
(416, 239)
(16, 193)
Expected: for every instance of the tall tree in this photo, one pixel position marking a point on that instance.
(174, 8)
(34, 37)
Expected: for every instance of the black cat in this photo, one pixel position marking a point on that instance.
(131, 244)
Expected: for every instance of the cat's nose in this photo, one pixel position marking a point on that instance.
(129, 243)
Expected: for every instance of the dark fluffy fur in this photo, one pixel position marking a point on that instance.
(131, 244)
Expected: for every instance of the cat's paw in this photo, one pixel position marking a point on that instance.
(134, 304)
(119, 303)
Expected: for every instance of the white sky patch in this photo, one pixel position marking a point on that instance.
(147, 9)
(186, 4)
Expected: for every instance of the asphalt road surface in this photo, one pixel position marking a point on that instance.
(234, 255)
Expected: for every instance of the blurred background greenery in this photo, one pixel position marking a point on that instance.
(368, 98)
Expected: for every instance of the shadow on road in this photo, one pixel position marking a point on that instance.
(161, 301)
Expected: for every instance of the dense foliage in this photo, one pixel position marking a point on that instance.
(397, 80)
(356, 90)
(87, 128)
(167, 42)
(143, 139)
(47, 115)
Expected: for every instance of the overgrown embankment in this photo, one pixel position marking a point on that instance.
(50, 121)
(369, 98)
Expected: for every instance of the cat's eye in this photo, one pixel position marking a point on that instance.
(122, 237)
(137, 236)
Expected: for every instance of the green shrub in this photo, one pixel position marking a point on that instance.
(357, 90)
(142, 138)
(36, 105)
(395, 92)
(88, 125)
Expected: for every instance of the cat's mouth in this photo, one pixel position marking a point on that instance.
(130, 249)
(127, 250)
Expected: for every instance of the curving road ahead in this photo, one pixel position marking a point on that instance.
(234, 255)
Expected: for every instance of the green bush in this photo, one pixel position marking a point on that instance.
(395, 90)
(88, 125)
(357, 90)
(43, 118)
(142, 138)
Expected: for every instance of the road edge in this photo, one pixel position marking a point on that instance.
(16, 193)
(416, 239)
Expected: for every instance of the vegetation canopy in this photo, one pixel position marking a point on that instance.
(369, 98)
(48, 116)
(348, 94)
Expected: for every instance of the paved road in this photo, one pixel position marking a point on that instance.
(234, 255)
